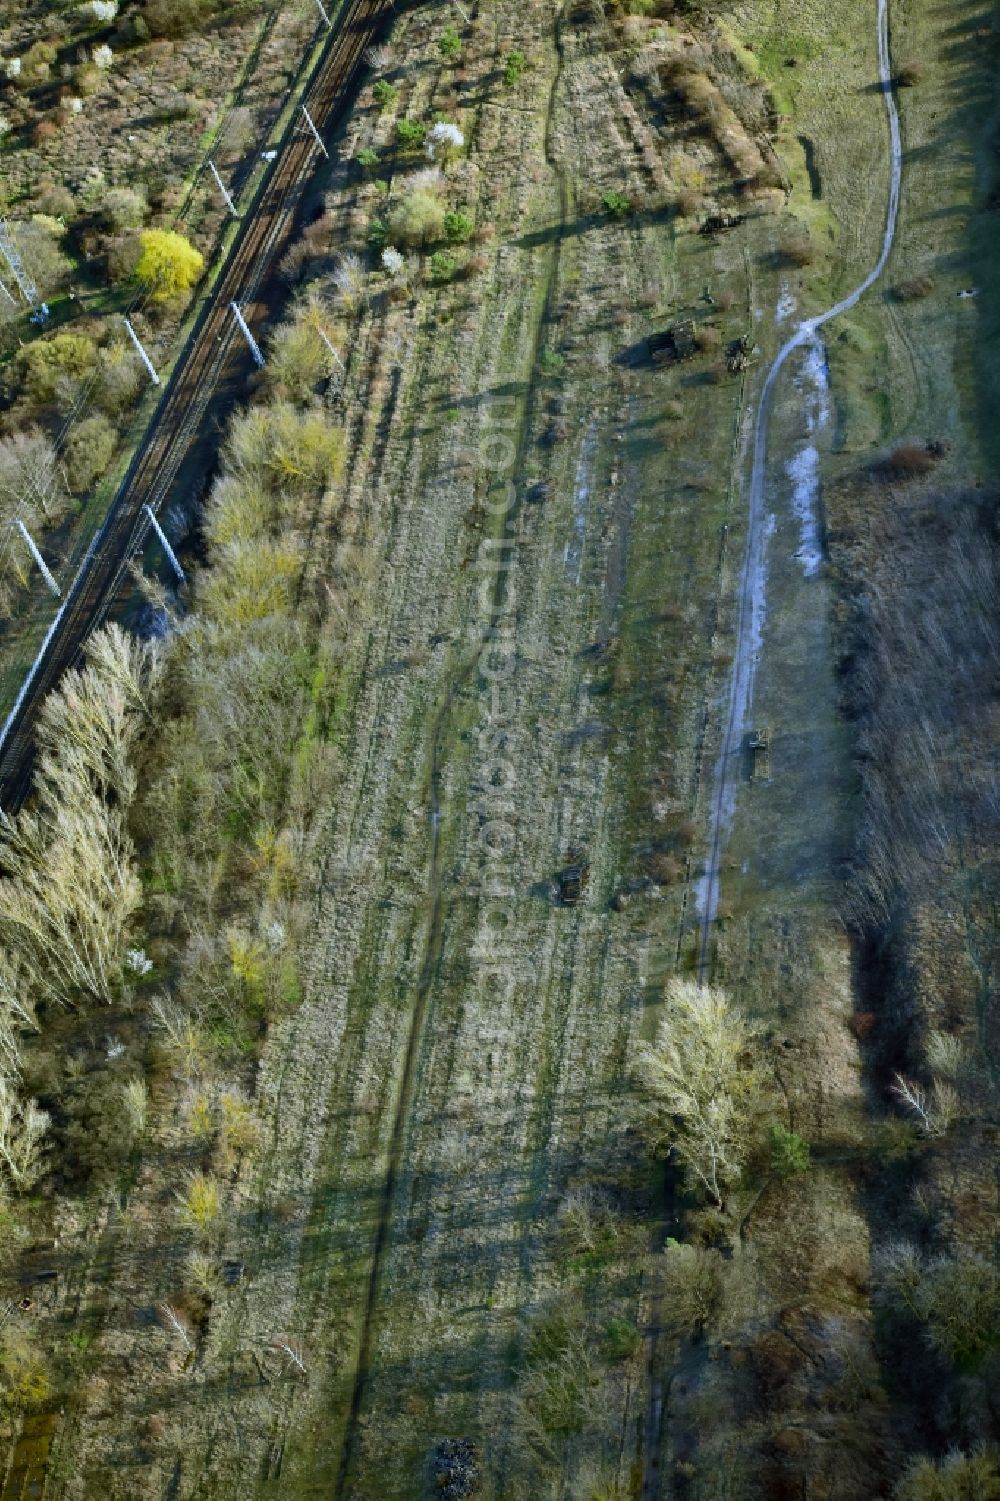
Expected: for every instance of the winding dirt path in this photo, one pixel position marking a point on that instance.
(750, 614)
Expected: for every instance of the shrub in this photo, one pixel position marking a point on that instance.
(119, 378)
(913, 288)
(168, 263)
(955, 1299)
(909, 74)
(410, 134)
(909, 461)
(514, 66)
(24, 1376)
(450, 45)
(689, 203)
(385, 93)
(367, 158)
(94, 1132)
(616, 204)
(789, 1153)
(418, 219)
(124, 208)
(799, 251)
(48, 362)
(957, 1477)
(175, 17)
(37, 62)
(621, 1339)
(89, 450)
(442, 266)
(457, 227)
(200, 1205)
(692, 1280)
(298, 359)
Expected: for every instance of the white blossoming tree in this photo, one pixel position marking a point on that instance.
(442, 141)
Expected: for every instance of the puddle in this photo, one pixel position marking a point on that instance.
(582, 483)
(802, 469)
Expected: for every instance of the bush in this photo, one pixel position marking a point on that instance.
(89, 450)
(175, 17)
(514, 66)
(450, 45)
(200, 1206)
(910, 74)
(799, 251)
(24, 1376)
(124, 208)
(621, 1339)
(457, 227)
(385, 93)
(410, 134)
(957, 1477)
(367, 158)
(909, 461)
(789, 1153)
(47, 363)
(616, 204)
(442, 266)
(418, 219)
(95, 1134)
(298, 359)
(119, 378)
(913, 288)
(707, 337)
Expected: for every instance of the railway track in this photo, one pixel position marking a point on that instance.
(214, 354)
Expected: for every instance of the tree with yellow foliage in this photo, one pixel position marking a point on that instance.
(169, 264)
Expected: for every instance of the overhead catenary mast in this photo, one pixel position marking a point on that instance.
(43, 569)
(9, 251)
(319, 138)
(244, 330)
(171, 556)
(141, 352)
(223, 189)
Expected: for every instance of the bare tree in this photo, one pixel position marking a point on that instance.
(22, 1129)
(70, 888)
(704, 1083)
(935, 1108)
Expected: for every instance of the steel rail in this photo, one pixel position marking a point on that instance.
(210, 356)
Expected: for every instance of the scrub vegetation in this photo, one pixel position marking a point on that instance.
(368, 1125)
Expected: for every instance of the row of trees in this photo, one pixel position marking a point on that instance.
(70, 888)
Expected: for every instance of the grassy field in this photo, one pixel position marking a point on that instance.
(451, 1219)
